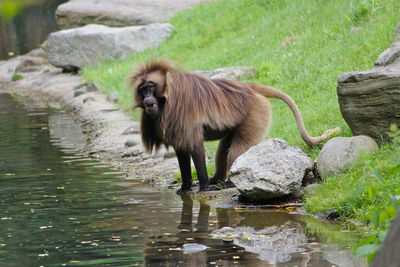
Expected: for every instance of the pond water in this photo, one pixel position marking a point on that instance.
(29, 28)
(60, 208)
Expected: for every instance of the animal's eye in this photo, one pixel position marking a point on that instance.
(146, 85)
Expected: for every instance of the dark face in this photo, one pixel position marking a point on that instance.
(151, 103)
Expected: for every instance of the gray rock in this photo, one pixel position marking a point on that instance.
(117, 13)
(76, 48)
(270, 169)
(340, 153)
(133, 129)
(370, 100)
(130, 143)
(389, 56)
(89, 99)
(30, 64)
(231, 73)
(192, 248)
(79, 91)
(113, 97)
(169, 154)
(91, 87)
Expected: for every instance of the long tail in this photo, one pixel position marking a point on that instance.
(271, 92)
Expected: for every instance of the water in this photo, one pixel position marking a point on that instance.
(29, 28)
(60, 208)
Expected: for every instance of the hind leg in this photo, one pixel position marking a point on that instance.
(251, 131)
(221, 160)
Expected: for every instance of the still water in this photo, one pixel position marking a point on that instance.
(29, 28)
(60, 208)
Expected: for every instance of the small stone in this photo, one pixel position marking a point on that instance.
(91, 87)
(89, 99)
(133, 129)
(169, 154)
(80, 91)
(193, 248)
(113, 97)
(130, 143)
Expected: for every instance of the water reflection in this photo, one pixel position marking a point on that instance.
(59, 208)
(244, 238)
(28, 29)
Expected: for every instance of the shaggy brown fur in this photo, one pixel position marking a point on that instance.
(194, 109)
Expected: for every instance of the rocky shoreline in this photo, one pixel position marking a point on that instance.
(112, 137)
(101, 120)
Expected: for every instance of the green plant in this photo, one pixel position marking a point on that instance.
(386, 195)
(16, 77)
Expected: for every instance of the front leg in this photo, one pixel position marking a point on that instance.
(184, 165)
(199, 160)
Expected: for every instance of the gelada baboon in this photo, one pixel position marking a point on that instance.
(183, 110)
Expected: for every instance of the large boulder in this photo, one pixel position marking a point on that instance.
(230, 73)
(270, 169)
(340, 153)
(76, 48)
(117, 13)
(370, 100)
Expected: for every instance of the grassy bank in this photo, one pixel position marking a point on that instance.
(300, 47)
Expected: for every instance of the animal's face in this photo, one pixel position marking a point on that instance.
(150, 94)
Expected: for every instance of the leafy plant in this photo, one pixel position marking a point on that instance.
(16, 77)
(387, 197)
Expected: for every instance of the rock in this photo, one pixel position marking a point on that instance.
(231, 73)
(37, 53)
(79, 91)
(169, 154)
(113, 97)
(388, 254)
(370, 100)
(89, 99)
(130, 143)
(270, 169)
(192, 248)
(30, 64)
(76, 48)
(340, 153)
(117, 13)
(91, 87)
(389, 55)
(133, 129)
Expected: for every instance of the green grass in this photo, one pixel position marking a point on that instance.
(368, 193)
(327, 39)
(16, 77)
(363, 190)
(250, 32)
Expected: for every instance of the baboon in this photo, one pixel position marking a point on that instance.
(182, 110)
